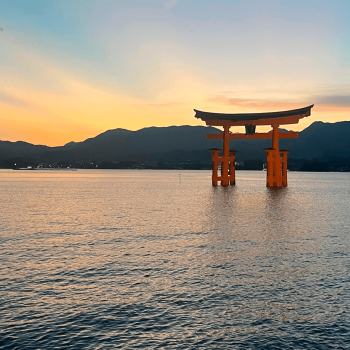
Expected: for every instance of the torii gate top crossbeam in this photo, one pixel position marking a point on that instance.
(240, 119)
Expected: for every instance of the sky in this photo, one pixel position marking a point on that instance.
(71, 69)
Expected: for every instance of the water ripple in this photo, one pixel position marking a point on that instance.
(130, 259)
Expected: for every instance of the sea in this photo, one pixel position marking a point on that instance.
(152, 259)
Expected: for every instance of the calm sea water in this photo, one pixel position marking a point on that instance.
(126, 259)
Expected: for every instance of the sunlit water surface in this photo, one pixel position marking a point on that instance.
(162, 260)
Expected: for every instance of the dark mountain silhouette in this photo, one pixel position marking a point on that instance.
(148, 144)
(121, 144)
(321, 141)
(19, 149)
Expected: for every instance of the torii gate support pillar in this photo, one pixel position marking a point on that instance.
(215, 158)
(269, 166)
(227, 160)
(225, 178)
(277, 171)
(232, 167)
(284, 153)
(276, 164)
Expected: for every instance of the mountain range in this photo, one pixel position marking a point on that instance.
(320, 141)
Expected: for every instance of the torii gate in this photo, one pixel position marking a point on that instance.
(276, 158)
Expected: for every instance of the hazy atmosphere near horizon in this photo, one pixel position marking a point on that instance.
(73, 69)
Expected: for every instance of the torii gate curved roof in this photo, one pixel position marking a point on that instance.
(267, 118)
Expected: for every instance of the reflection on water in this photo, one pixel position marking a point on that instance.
(151, 259)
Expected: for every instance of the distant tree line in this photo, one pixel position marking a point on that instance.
(24, 162)
(294, 164)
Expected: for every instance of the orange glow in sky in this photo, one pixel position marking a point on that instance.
(71, 72)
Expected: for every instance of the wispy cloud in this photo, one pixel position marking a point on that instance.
(333, 100)
(170, 3)
(252, 104)
(15, 101)
(160, 105)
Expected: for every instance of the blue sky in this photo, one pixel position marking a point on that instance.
(72, 69)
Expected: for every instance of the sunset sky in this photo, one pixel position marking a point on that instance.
(71, 69)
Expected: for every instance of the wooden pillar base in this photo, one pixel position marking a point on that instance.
(215, 159)
(232, 175)
(270, 166)
(225, 159)
(284, 153)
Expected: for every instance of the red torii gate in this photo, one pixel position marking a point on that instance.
(276, 158)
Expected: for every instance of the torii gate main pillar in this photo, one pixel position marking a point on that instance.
(225, 158)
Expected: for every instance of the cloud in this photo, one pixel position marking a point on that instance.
(333, 100)
(170, 3)
(14, 101)
(160, 105)
(254, 104)
(329, 105)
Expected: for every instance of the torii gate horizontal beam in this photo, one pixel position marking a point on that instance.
(277, 121)
(266, 135)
